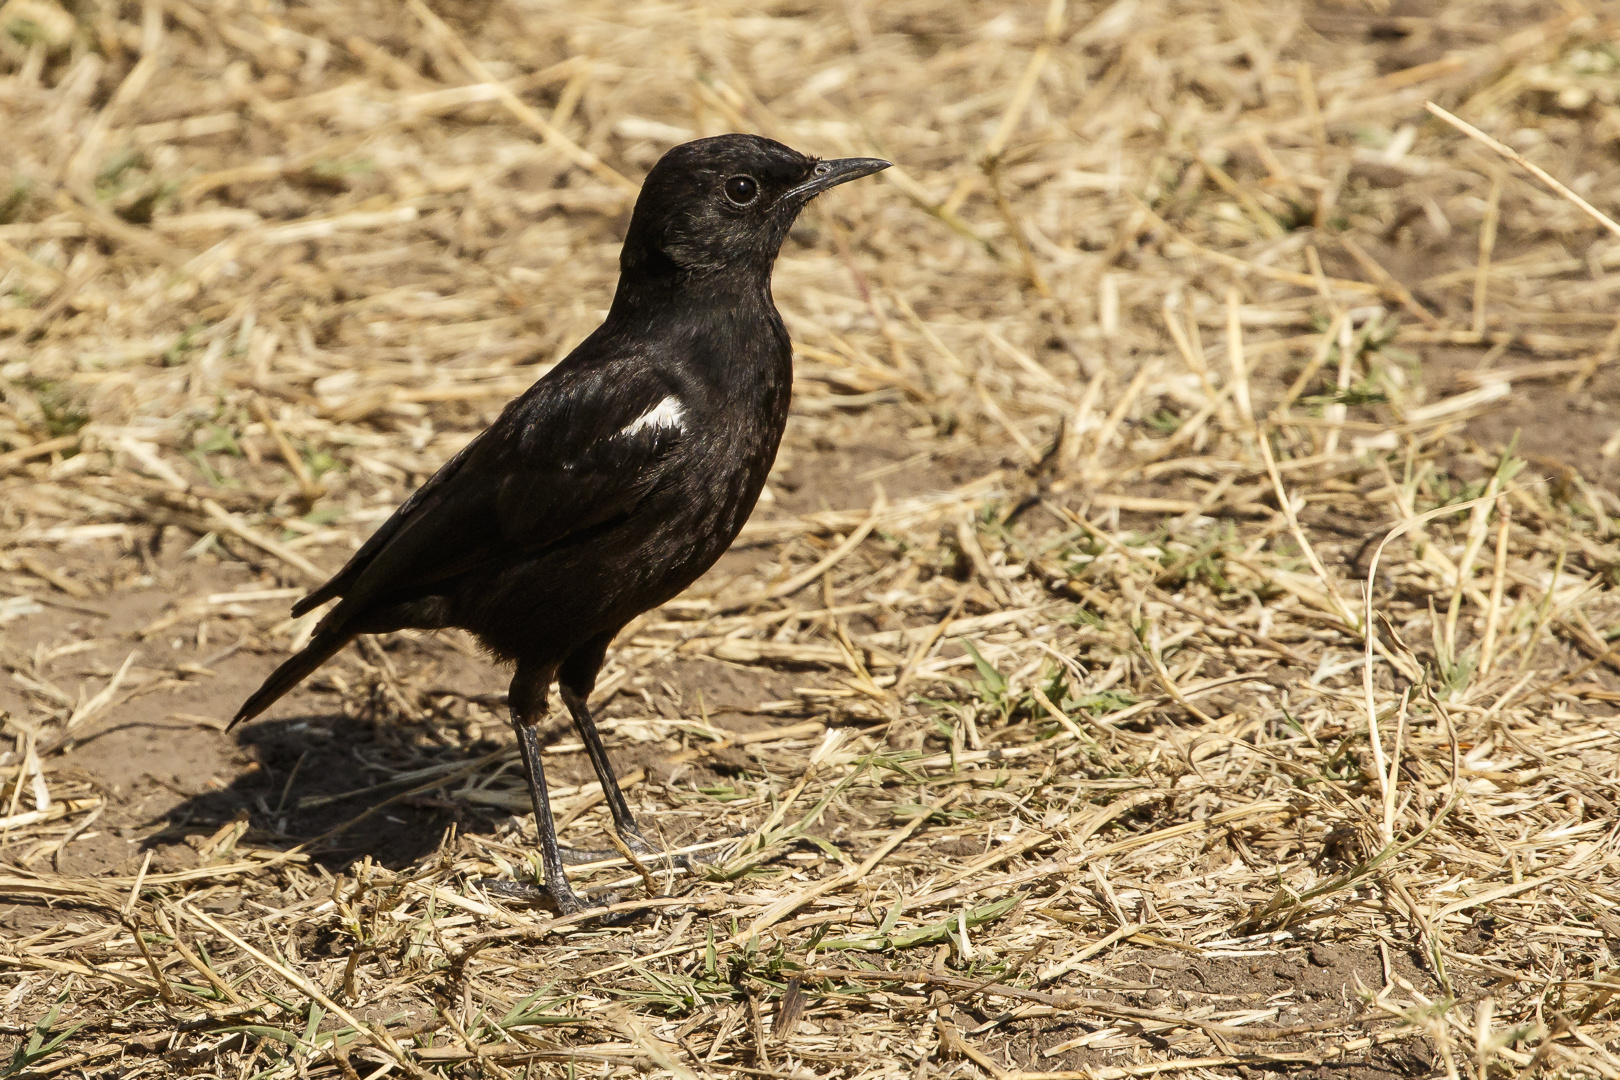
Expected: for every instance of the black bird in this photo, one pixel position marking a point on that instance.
(617, 479)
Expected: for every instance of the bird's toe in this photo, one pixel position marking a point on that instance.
(563, 898)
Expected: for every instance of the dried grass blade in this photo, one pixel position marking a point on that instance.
(528, 115)
(1526, 164)
(781, 909)
(1386, 777)
(374, 1034)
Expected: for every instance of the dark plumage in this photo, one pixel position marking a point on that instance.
(617, 479)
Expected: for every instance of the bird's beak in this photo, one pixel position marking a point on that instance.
(829, 174)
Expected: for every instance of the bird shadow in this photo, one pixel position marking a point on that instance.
(343, 788)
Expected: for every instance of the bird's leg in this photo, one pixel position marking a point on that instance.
(574, 682)
(528, 705)
(624, 823)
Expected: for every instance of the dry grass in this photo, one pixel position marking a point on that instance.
(1098, 763)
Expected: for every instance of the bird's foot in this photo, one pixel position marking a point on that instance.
(568, 904)
(638, 846)
(580, 856)
(563, 898)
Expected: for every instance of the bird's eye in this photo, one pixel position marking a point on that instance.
(742, 190)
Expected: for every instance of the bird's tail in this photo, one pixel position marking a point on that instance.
(292, 672)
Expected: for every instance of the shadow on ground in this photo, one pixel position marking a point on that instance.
(346, 788)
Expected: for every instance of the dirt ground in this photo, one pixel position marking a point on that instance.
(1168, 316)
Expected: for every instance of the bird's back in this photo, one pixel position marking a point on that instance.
(606, 489)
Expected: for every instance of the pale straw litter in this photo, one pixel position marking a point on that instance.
(1086, 743)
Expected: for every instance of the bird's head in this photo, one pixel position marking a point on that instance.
(725, 204)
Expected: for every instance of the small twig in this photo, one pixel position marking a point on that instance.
(306, 483)
(1526, 164)
(623, 849)
(377, 1036)
(516, 106)
(1493, 612)
(1263, 440)
(1380, 765)
(236, 527)
(1487, 243)
(781, 909)
(1389, 284)
(784, 589)
(1231, 627)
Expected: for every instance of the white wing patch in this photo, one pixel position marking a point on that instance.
(666, 414)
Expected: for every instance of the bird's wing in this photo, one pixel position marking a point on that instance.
(578, 449)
